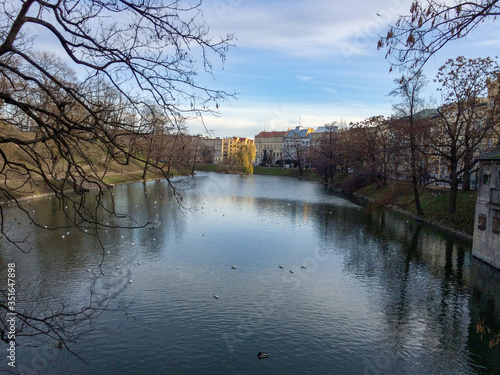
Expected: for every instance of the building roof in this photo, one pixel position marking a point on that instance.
(492, 155)
(327, 129)
(264, 134)
(298, 132)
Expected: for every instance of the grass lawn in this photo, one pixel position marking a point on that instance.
(434, 203)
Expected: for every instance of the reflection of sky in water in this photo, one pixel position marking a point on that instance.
(380, 293)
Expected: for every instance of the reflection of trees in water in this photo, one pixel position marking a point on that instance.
(424, 279)
(485, 309)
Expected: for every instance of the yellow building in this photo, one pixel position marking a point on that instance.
(231, 146)
(269, 146)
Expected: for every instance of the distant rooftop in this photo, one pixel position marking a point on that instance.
(493, 154)
(264, 134)
(298, 132)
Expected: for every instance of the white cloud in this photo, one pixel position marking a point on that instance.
(251, 118)
(313, 28)
(305, 78)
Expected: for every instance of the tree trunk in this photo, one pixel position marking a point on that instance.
(414, 179)
(194, 159)
(452, 204)
(467, 170)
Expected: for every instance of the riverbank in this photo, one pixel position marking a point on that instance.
(399, 197)
(116, 174)
(434, 201)
(396, 195)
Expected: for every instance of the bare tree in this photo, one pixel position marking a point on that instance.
(432, 24)
(324, 154)
(128, 55)
(373, 147)
(410, 128)
(466, 117)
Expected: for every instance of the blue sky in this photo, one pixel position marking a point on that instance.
(311, 61)
(308, 61)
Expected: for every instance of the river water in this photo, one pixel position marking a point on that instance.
(370, 293)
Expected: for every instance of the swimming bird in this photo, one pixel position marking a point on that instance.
(88, 270)
(291, 271)
(262, 355)
(139, 263)
(216, 296)
(233, 267)
(130, 281)
(280, 266)
(117, 267)
(303, 267)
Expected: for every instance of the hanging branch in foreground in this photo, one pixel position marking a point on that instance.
(127, 72)
(432, 24)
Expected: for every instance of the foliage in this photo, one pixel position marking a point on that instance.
(246, 157)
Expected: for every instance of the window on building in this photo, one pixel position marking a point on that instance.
(496, 223)
(486, 179)
(481, 222)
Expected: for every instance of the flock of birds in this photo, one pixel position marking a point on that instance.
(117, 267)
(261, 355)
(234, 267)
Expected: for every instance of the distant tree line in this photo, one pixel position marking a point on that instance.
(420, 143)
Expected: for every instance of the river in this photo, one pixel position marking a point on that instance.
(359, 291)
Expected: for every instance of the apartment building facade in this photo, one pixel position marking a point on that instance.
(269, 147)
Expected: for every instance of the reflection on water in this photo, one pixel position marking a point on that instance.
(379, 294)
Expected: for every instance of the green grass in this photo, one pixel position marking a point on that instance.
(287, 172)
(276, 171)
(434, 203)
(206, 167)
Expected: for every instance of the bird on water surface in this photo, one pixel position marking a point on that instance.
(262, 355)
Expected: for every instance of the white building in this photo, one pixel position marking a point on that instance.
(486, 245)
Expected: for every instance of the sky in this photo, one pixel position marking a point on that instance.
(312, 62)
(309, 62)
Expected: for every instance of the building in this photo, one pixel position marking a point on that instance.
(269, 147)
(214, 148)
(296, 143)
(486, 245)
(321, 134)
(231, 146)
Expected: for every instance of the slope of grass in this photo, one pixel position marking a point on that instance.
(20, 185)
(434, 203)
